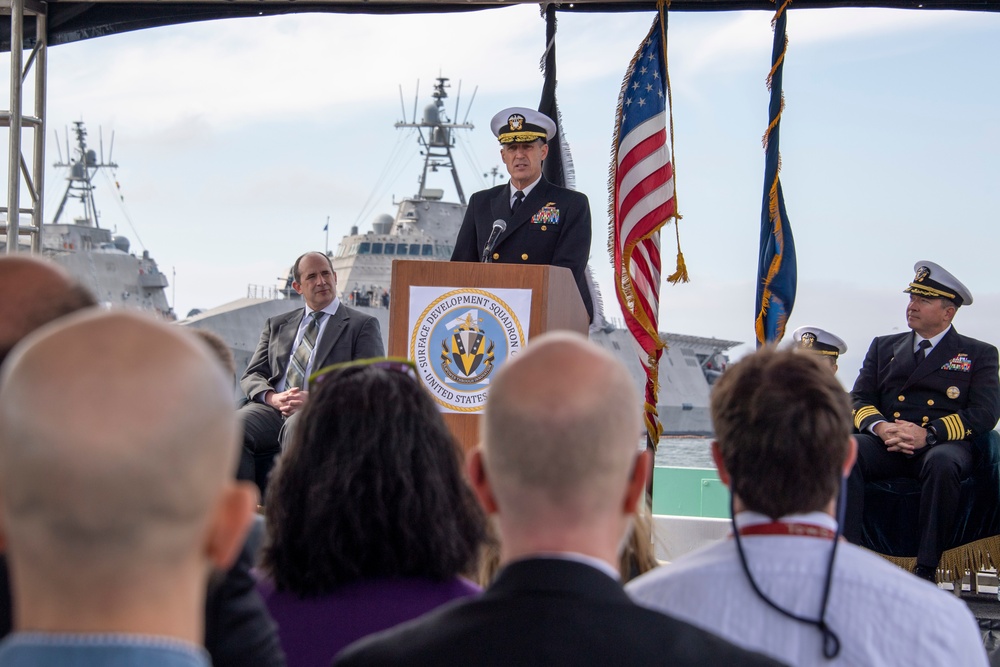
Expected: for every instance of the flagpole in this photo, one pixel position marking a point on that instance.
(643, 128)
(776, 264)
(327, 230)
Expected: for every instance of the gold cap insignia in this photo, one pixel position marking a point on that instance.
(515, 122)
(922, 273)
(953, 392)
(807, 340)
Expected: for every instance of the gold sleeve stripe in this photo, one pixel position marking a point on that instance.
(953, 424)
(863, 413)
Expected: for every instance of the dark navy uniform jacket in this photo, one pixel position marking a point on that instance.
(547, 612)
(552, 226)
(955, 388)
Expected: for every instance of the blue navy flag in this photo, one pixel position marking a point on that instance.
(326, 227)
(776, 262)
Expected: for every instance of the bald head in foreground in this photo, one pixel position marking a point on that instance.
(560, 469)
(34, 292)
(102, 544)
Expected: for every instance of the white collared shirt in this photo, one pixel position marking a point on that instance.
(881, 614)
(330, 311)
(746, 518)
(917, 338)
(514, 191)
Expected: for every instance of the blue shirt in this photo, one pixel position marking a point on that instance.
(32, 649)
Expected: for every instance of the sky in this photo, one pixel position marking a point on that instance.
(238, 139)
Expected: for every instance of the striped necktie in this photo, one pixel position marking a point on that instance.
(300, 360)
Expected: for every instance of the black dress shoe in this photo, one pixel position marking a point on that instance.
(928, 573)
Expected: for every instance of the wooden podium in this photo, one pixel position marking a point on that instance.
(555, 304)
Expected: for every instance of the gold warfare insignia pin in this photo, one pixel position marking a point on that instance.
(922, 273)
(808, 339)
(515, 122)
(953, 392)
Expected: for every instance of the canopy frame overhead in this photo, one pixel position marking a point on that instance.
(72, 20)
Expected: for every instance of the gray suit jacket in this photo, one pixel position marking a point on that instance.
(349, 335)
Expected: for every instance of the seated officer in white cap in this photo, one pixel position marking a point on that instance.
(821, 342)
(920, 398)
(545, 224)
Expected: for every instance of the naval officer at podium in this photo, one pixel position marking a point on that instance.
(527, 220)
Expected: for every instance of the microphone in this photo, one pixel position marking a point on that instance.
(498, 228)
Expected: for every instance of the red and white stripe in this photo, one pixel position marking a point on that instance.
(644, 201)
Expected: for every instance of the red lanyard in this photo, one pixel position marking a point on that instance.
(779, 528)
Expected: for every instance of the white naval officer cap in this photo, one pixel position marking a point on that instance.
(522, 125)
(819, 341)
(933, 281)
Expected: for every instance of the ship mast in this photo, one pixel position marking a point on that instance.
(438, 142)
(81, 171)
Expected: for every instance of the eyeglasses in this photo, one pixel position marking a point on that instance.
(398, 364)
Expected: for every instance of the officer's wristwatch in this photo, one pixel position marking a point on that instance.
(931, 437)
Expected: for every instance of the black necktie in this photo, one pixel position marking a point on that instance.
(518, 198)
(922, 350)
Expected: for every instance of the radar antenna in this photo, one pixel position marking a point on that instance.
(438, 140)
(81, 172)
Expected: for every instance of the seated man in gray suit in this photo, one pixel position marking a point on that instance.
(291, 346)
(558, 598)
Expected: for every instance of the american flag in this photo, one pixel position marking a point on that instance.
(642, 194)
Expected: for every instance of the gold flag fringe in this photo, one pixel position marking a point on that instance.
(982, 554)
(775, 266)
(680, 275)
(624, 286)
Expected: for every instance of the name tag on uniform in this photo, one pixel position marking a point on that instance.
(547, 215)
(960, 362)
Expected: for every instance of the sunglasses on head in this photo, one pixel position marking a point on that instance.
(398, 364)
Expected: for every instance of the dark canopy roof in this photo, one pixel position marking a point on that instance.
(71, 21)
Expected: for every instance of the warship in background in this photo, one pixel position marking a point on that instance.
(424, 228)
(99, 259)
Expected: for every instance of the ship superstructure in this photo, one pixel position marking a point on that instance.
(424, 227)
(96, 257)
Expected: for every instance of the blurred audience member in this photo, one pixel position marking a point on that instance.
(369, 518)
(34, 292)
(786, 584)
(238, 630)
(558, 467)
(639, 553)
(109, 556)
(219, 347)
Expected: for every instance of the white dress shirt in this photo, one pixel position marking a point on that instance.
(514, 191)
(330, 311)
(882, 615)
(917, 338)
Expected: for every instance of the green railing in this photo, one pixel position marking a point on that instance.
(690, 492)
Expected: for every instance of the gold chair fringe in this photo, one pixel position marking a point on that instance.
(972, 557)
